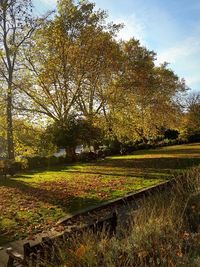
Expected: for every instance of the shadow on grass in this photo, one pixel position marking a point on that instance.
(68, 202)
(189, 149)
(41, 170)
(158, 163)
(175, 152)
(178, 157)
(67, 199)
(41, 207)
(146, 168)
(151, 174)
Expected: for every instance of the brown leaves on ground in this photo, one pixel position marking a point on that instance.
(27, 209)
(90, 187)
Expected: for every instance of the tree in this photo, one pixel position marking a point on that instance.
(30, 140)
(192, 117)
(74, 65)
(27, 136)
(194, 112)
(16, 27)
(75, 131)
(68, 60)
(3, 152)
(102, 63)
(144, 96)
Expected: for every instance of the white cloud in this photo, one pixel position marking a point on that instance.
(185, 59)
(192, 80)
(177, 45)
(180, 51)
(132, 28)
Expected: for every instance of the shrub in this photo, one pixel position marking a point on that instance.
(87, 156)
(171, 134)
(194, 138)
(11, 167)
(43, 162)
(17, 166)
(105, 150)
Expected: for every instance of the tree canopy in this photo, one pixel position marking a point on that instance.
(71, 65)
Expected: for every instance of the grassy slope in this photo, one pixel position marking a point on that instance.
(33, 201)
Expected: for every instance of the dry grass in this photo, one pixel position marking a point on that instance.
(157, 235)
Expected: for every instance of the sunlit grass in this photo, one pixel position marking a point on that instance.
(35, 200)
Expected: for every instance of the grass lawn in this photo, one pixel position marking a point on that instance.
(32, 202)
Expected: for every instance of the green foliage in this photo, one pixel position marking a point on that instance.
(36, 162)
(73, 132)
(29, 140)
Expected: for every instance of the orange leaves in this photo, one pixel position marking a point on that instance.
(80, 251)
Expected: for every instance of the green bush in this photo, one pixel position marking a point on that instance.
(44, 162)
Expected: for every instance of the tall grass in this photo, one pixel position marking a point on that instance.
(159, 233)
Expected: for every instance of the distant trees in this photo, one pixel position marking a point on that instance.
(143, 99)
(192, 117)
(29, 139)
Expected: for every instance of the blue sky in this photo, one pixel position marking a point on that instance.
(169, 27)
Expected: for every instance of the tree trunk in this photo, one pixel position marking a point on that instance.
(10, 142)
(70, 153)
